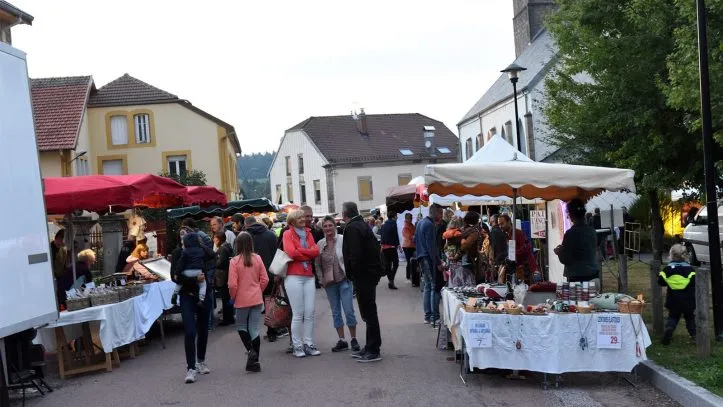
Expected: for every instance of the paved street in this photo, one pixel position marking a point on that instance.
(412, 373)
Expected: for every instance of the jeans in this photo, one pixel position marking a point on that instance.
(341, 295)
(211, 293)
(302, 298)
(195, 326)
(366, 297)
(228, 310)
(391, 263)
(408, 254)
(430, 295)
(248, 319)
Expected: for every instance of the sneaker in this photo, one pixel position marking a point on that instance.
(355, 345)
(359, 354)
(202, 368)
(299, 352)
(340, 346)
(190, 376)
(370, 357)
(435, 323)
(427, 322)
(311, 350)
(282, 333)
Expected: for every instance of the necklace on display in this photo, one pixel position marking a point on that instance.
(583, 337)
(518, 342)
(638, 349)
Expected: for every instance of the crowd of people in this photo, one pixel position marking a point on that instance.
(237, 264)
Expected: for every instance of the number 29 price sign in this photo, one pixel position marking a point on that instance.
(609, 332)
(479, 333)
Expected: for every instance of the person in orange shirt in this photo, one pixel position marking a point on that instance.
(408, 242)
(247, 280)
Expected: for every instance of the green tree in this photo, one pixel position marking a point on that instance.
(683, 89)
(606, 104)
(188, 178)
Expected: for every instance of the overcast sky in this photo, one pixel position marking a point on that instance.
(264, 66)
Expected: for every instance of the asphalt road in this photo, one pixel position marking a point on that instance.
(412, 373)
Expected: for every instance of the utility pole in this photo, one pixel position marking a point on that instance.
(710, 175)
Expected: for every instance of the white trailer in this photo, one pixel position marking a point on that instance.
(27, 294)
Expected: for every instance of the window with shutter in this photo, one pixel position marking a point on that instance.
(317, 191)
(365, 188)
(142, 128)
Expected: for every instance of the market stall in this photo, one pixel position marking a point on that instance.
(530, 180)
(205, 196)
(541, 339)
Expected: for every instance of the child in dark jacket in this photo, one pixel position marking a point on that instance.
(192, 264)
(679, 277)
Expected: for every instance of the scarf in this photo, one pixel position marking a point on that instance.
(301, 232)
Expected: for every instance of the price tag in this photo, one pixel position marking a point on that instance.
(479, 333)
(609, 332)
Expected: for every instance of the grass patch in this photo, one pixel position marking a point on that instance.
(680, 356)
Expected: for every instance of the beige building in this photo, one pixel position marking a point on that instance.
(129, 127)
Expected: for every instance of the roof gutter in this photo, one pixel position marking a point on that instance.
(22, 17)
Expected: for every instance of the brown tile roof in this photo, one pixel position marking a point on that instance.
(8, 8)
(128, 90)
(338, 139)
(58, 107)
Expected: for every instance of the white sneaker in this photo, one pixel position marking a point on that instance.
(299, 352)
(190, 376)
(311, 350)
(202, 368)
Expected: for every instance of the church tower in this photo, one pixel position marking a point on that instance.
(528, 21)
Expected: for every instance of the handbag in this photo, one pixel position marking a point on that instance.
(278, 310)
(280, 264)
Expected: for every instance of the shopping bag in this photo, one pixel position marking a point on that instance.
(278, 310)
(280, 264)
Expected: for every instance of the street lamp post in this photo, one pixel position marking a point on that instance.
(710, 175)
(513, 72)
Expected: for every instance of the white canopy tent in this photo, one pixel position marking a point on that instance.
(527, 179)
(495, 150)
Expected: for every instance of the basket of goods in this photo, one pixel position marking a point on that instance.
(540, 309)
(77, 303)
(124, 293)
(491, 308)
(584, 309)
(628, 306)
(512, 308)
(135, 289)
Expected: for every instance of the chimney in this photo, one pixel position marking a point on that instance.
(361, 123)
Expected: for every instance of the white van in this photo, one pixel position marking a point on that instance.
(695, 235)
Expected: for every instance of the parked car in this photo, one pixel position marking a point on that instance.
(695, 235)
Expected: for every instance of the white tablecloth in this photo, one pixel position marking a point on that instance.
(121, 323)
(550, 343)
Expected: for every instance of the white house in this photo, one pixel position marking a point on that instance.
(494, 113)
(325, 161)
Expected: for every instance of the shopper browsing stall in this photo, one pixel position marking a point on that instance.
(578, 251)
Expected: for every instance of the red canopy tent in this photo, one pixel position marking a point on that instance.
(99, 193)
(205, 196)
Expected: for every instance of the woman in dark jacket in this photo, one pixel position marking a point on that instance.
(224, 253)
(195, 317)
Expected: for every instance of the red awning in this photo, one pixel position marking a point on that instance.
(206, 196)
(98, 193)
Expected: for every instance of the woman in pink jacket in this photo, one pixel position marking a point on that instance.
(299, 284)
(247, 280)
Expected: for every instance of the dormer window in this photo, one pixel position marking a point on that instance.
(405, 151)
(444, 150)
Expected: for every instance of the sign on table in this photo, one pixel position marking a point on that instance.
(609, 332)
(479, 333)
(537, 222)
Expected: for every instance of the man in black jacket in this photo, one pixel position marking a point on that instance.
(363, 266)
(265, 247)
(390, 245)
(224, 253)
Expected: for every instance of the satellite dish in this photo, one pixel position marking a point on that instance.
(428, 144)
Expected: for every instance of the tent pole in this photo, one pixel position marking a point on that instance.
(72, 245)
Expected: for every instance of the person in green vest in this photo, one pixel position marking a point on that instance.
(679, 277)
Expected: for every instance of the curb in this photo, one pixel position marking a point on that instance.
(676, 387)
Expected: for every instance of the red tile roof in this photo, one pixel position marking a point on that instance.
(58, 108)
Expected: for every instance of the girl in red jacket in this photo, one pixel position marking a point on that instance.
(299, 284)
(247, 280)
